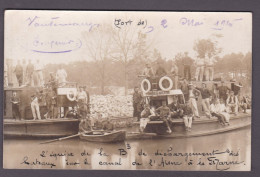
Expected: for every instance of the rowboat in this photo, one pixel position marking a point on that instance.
(104, 137)
(200, 127)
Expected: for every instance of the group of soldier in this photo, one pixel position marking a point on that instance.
(204, 69)
(219, 101)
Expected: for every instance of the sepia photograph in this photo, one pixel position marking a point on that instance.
(127, 90)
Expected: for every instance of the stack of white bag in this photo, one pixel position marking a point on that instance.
(111, 105)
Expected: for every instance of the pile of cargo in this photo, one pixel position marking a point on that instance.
(111, 106)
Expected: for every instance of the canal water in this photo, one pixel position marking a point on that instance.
(226, 151)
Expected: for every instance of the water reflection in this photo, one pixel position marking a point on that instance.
(134, 154)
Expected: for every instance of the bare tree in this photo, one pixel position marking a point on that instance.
(130, 44)
(99, 42)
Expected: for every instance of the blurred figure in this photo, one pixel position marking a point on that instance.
(193, 96)
(174, 69)
(51, 103)
(187, 62)
(19, 73)
(29, 74)
(176, 109)
(175, 73)
(215, 109)
(24, 65)
(187, 116)
(5, 75)
(224, 111)
(145, 116)
(243, 103)
(35, 107)
(15, 100)
(108, 125)
(223, 91)
(200, 66)
(185, 89)
(148, 71)
(160, 70)
(232, 103)
(82, 100)
(61, 76)
(39, 75)
(215, 91)
(164, 113)
(137, 103)
(205, 94)
(209, 70)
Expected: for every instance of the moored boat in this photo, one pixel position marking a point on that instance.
(200, 127)
(104, 137)
(40, 128)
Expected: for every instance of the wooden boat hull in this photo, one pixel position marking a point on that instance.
(41, 128)
(200, 127)
(112, 137)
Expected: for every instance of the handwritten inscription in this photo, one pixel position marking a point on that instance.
(37, 21)
(218, 159)
(190, 22)
(55, 46)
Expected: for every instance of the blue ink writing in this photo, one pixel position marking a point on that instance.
(55, 22)
(189, 22)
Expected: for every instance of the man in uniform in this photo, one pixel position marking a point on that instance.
(15, 106)
(223, 91)
(19, 73)
(148, 71)
(232, 103)
(39, 75)
(187, 62)
(35, 107)
(193, 96)
(29, 73)
(137, 103)
(176, 110)
(164, 113)
(61, 76)
(205, 94)
(160, 71)
(82, 100)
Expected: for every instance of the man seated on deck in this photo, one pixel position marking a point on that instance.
(164, 113)
(215, 109)
(243, 103)
(176, 109)
(145, 116)
(232, 103)
(187, 115)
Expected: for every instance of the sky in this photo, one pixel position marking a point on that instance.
(57, 36)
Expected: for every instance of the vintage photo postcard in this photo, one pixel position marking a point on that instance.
(135, 90)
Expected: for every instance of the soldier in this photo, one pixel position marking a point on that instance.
(19, 73)
(164, 113)
(82, 100)
(61, 76)
(137, 103)
(35, 107)
(29, 74)
(15, 106)
(39, 75)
